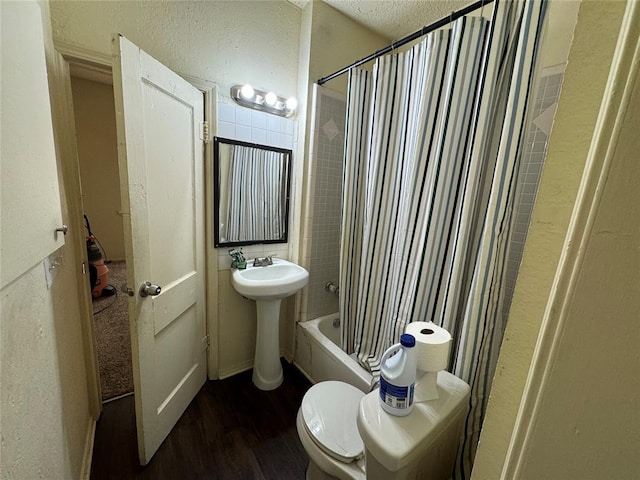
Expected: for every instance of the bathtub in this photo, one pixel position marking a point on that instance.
(320, 358)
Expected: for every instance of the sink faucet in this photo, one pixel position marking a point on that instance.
(263, 262)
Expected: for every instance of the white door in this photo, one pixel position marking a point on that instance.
(27, 147)
(161, 160)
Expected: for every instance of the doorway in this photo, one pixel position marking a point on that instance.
(94, 113)
(153, 420)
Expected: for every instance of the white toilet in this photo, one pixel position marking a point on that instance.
(348, 436)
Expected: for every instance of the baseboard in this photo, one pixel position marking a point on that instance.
(303, 371)
(113, 399)
(235, 369)
(288, 356)
(247, 365)
(87, 457)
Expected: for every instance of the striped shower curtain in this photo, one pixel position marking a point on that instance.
(403, 173)
(431, 160)
(257, 192)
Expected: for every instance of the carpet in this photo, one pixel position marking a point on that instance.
(111, 319)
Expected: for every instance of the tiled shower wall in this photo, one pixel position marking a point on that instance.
(321, 251)
(534, 151)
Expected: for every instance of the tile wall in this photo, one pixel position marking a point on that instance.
(534, 152)
(321, 252)
(240, 123)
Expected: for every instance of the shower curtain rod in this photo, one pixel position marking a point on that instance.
(409, 38)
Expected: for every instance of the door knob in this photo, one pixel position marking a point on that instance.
(64, 229)
(148, 288)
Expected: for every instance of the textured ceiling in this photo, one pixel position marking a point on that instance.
(395, 18)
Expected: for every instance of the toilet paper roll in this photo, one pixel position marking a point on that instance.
(432, 345)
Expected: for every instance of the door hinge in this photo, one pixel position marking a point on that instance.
(206, 342)
(204, 131)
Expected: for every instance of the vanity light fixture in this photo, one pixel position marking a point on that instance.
(247, 92)
(269, 102)
(271, 99)
(291, 103)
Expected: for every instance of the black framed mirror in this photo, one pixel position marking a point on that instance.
(251, 194)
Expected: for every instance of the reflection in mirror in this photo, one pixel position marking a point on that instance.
(251, 193)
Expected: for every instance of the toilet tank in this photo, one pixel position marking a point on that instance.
(422, 445)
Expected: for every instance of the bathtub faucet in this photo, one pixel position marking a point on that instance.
(332, 287)
(257, 262)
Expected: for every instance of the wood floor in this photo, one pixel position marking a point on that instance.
(231, 430)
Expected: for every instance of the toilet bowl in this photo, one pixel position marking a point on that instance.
(348, 436)
(328, 431)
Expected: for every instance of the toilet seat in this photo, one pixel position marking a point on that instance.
(329, 412)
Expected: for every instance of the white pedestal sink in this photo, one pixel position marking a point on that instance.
(268, 286)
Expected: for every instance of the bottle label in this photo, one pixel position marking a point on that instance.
(395, 396)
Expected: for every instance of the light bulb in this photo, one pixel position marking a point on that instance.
(247, 91)
(292, 103)
(270, 99)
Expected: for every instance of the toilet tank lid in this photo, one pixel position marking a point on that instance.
(329, 410)
(397, 441)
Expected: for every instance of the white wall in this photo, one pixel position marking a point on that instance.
(334, 41)
(94, 110)
(583, 419)
(25, 96)
(560, 22)
(588, 426)
(45, 413)
(227, 42)
(589, 58)
(337, 41)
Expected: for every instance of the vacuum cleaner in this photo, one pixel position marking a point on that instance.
(98, 271)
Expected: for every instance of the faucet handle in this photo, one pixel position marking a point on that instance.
(263, 262)
(269, 258)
